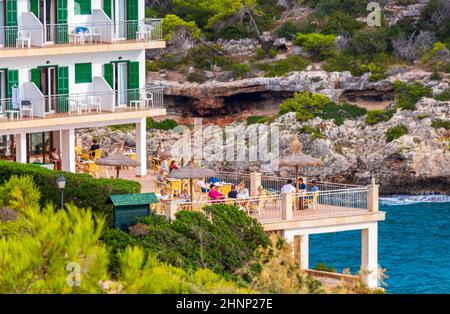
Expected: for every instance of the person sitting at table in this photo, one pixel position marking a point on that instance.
(302, 185)
(164, 196)
(55, 158)
(233, 193)
(119, 149)
(214, 194)
(93, 148)
(173, 165)
(261, 191)
(242, 191)
(161, 176)
(313, 187)
(185, 196)
(158, 150)
(288, 187)
(165, 165)
(202, 185)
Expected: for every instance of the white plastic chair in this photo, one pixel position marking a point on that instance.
(96, 34)
(26, 108)
(94, 103)
(142, 32)
(23, 38)
(147, 98)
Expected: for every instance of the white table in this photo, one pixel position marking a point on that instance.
(12, 113)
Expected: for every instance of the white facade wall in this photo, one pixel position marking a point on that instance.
(24, 65)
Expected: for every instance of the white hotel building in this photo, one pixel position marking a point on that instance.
(70, 64)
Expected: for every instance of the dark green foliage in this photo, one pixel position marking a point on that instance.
(407, 95)
(326, 7)
(444, 96)
(151, 66)
(340, 23)
(315, 132)
(196, 77)
(305, 104)
(369, 41)
(323, 267)
(202, 57)
(318, 45)
(435, 18)
(81, 189)
(396, 132)
(439, 123)
(289, 29)
(223, 244)
(258, 119)
(339, 113)
(344, 62)
(165, 125)
(283, 67)
(435, 76)
(377, 116)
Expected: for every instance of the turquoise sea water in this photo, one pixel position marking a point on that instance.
(414, 245)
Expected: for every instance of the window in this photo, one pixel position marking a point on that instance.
(82, 7)
(83, 73)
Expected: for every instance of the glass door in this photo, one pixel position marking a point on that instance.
(2, 24)
(49, 88)
(119, 17)
(47, 17)
(120, 83)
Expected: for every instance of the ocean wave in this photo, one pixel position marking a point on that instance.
(395, 200)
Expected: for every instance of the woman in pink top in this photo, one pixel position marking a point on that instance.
(214, 194)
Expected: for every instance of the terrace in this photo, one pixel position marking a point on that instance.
(101, 104)
(33, 38)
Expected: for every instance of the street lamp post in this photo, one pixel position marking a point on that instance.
(61, 182)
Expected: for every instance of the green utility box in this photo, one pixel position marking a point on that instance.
(128, 207)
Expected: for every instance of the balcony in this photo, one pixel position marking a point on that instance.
(102, 105)
(33, 38)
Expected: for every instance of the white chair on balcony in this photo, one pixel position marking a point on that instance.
(143, 32)
(78, 105)
(147, 99)
(26, 106)
(94, 103)
(23, 39)
(96, 34)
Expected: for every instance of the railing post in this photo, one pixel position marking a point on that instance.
(287, 202)
(372, 196)
(255, 183)
(171, 210)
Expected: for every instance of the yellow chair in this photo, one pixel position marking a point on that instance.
(175, 186)
(92, 169)
(97, 154)
(312, 203)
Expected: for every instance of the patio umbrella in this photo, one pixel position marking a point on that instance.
(191, 171)
(297, 160)
(117, 161)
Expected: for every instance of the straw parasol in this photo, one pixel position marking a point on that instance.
(191, 171)
(299, 160)
(118, 161)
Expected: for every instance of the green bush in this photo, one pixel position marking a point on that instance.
(315, 132)
(318, 45)
(439, 123)
(369, 41)
(444, 96)
(288, 30)
(407, 95)
(273, 52)
(283, 67)
(260, 54)
(196, 77)
(377, 116)
(422, 116)
(396, 132)
(377, 72)
(223, 244)
(326, 7)
(81, 189)
(305, 104)
(165, 125)
(340, 23)
(151, 66)
(323, 267)
(258, 120)
(240, 70)
(340, 112)
(344, 62)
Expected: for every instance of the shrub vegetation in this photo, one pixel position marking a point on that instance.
(396, 132)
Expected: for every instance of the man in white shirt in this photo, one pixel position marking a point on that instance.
(288, 187)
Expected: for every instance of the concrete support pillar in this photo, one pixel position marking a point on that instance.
(56, 139)
(369, 254)
(287, 201)
(141, 147)
(21, 148)
(372, 197)
(301, 250)
(68, 150)
(255, 182)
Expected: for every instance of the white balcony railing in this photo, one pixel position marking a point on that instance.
(40, 106)
(81, 33)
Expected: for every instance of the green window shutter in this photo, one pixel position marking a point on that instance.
(61, 19)
(108, 73)
(133, 80)
(34, 7)
(83, 73)
(10, 22)
(107, 7)
(36, 77)
(82, 7)
(12, 79)
(63, 89)
(132, 17)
